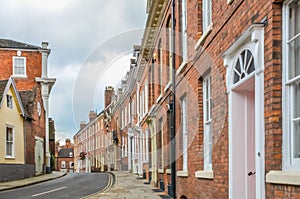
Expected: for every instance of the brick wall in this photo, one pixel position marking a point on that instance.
(33, 67)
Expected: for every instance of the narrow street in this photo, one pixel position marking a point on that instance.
(74, 185)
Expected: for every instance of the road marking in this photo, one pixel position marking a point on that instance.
(49, 191)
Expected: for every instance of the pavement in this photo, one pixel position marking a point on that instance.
(30, 181)
(123, 185)
(129, 186)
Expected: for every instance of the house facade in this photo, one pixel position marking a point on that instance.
(27, 65)
(64, 156)
(222, 80)
(12, 116)
(235, 75)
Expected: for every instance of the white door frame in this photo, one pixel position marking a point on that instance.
(254, 39)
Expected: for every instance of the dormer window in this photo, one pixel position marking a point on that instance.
(71, 155)
(9, 100)
(19, 66)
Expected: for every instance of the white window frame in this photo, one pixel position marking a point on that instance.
(70, 164)
(207, 123)
(170, 52)
(160, 68)
(184, 124)
(289, 161)
(9, 101)
(14, 62)
(184, 29)
(206, 16)
(13, 142)
(63, 164)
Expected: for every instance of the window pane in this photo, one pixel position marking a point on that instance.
(297, 139)
(294, 58)
(294, 45)
(19, 66)
(9, 148)
(297, 100)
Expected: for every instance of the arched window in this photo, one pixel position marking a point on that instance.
(244, 66)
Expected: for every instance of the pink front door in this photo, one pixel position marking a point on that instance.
(243, 141)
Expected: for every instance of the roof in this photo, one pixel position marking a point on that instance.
(27, 98)
(7, 84)
(7, 43)
(3, 84)
(64, 153)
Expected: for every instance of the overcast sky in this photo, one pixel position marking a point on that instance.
(91, 43)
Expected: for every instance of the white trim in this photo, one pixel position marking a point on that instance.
(182, 174)
(160, 170)
(254, 40)
(288, 161)
(203, 37)
(283, 177)
(12, 156)
(205, 174)
(168, 86)
(157, 100)
(181, 67)
(25, 72)
(168, 171)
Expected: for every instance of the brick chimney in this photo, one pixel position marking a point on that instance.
(92, 115)
(68, 143)
(82, 125)
(108, 94)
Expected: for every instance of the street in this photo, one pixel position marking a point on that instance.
(73, 185)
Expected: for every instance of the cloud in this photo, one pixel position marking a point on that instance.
(82, 35)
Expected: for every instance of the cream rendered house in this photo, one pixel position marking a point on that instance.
(11, 124)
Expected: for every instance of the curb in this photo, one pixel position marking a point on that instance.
(111, 183)
(31, 183)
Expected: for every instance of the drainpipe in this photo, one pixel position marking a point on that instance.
(173, 113)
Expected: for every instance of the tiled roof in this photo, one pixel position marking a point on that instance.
(64, 153)
(7, 43)
(3, 84)
(27, 98)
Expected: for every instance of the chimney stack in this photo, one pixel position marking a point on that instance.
(108, 94)
(82, 125)
(92, 115)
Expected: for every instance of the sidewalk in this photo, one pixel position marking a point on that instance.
(129, 186)
(30, 181)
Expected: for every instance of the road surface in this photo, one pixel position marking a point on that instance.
(73, 185)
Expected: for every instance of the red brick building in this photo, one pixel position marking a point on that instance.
(64, 157)
(236, 70)
(27, 64)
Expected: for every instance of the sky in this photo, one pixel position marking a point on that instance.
(91, 44)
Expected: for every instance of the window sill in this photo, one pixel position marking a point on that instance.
(9, 158)
(181, 67)
(168, 86)
(19, 76)
(203, 37)
(168, 171)
(182, 174)
(283, 177)
(159, 98)
(204, 174)
(229, 1)
(160, 171)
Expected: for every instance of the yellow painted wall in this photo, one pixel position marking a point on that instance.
(13, 118)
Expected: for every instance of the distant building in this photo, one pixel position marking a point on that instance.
(65, 157)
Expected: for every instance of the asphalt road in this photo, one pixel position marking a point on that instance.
(74, 185)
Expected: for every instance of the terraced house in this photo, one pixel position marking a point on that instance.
(24, 68)
(210, 107)
(237, 94)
